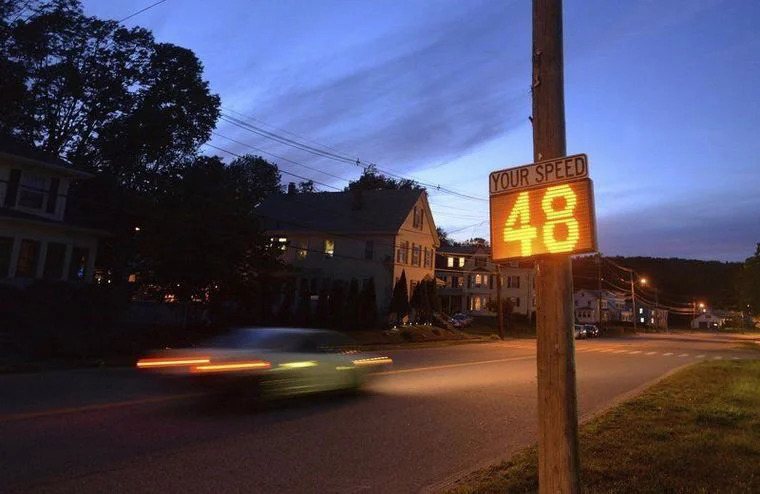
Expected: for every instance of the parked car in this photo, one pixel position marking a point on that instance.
(579, 331)
(273, 362)
(461, 320)
(591, 330)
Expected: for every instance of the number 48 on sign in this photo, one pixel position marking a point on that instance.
(539, 213)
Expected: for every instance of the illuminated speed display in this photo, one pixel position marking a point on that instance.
(540, 219)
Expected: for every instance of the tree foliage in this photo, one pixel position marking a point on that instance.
(103, 96)
(400, 298)
(372, 179)
(749, 283)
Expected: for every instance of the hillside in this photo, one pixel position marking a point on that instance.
(677, 280)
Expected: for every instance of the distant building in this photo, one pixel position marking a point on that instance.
(467, 280)
(708, 320)
(587, 306)
(38, 240)
(358, 235)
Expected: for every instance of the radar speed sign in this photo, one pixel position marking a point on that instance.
(542, 209)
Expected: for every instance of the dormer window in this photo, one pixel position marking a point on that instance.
(31, 193)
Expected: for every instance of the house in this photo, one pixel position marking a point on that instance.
(587, 304)
(360, 235)
(708, 320)
(37, 238)
(651, 317)
(468, 281)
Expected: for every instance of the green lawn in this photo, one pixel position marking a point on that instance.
(696, 431)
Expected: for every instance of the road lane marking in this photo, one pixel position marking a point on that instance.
(718, 358)
(668, 354)
(451, 366)
(619, 351)
(650, 353)
(684, 355)
(634, 352)
(13, 417)
(700, 356)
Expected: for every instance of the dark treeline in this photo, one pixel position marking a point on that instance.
(678, 281)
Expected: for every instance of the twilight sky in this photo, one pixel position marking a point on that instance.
(663, 96)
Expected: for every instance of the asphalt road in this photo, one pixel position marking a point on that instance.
(438, 413)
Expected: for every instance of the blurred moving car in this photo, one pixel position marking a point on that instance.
(579, 331)
(272, 362)
(591, 330)
(460, 320)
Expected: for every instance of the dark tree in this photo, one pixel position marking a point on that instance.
(337, 303)
(303, 308)
(444, 237)
(749, 283)
(204, 233)
(371, 179)
(400, 299)
(105, 97)
(351, 310)
(285, 312)
(368, 307)
(323, 307)
(306, 187)
(421, 302)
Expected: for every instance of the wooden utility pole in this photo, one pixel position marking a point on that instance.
(633, 301)
(499, 304)
(557, 401)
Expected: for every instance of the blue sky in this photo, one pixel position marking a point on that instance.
(663, 96)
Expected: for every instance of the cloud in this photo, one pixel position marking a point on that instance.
(445, 89)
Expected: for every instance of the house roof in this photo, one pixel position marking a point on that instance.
(17, 150)
(373, 211)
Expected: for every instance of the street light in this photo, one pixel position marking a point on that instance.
(643, 281)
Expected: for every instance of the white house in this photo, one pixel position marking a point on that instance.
(468, 281)
(587, 306)
(708, 320)
(37, 240)
(358, 235)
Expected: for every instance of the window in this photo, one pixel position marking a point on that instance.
(6, 245)
(418, 217)
(485, 279)
(416, 255)
(461, 262)
(281, 243)
(329, 247)
(428, 258)
(513, 282)
(449, 262)
(402, 254)
(517, 301)
(369, 249)
(27, 259)
(31, 191)
(56, 253)
(78, 265)
(460, 281)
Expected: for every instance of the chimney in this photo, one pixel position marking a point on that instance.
(291, 188)
(357, 201)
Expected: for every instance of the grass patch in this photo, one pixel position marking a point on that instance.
(696, 431)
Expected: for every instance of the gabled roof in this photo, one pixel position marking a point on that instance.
(374, 211)
(14, 149)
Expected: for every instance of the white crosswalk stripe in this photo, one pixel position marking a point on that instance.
(651, 353)
(701, 356)
(684, 355)
(668, 354)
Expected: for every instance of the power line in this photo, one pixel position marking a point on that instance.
(141, 10)
(342, 158)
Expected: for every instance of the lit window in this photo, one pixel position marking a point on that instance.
(478, 279)
(485, 279)
(461, 262)
(641, 310)
(450, 262)
(329, 247)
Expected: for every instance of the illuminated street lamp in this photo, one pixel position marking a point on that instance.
(643, 281)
